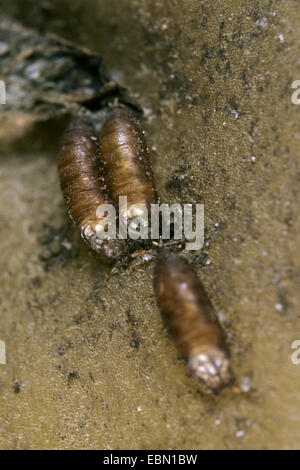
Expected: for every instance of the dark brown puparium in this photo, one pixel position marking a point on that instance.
(125, 160)
(184, 303)
(83, 187)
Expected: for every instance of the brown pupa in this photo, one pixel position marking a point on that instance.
(83, 188)
(125, 160)
(183, 301)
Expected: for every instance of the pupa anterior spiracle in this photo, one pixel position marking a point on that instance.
(82, 187)
(182, 300)
(126, 166)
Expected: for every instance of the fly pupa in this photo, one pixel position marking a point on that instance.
(126, 168)
(82, 187)
(182, 300)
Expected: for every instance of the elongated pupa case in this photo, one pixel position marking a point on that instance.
(125, 160)
(83, 188)
(182, 300)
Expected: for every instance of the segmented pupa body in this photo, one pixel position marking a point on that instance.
(83, 186)
(190, 315)
(126, 167)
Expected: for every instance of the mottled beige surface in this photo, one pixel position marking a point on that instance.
(93, 367)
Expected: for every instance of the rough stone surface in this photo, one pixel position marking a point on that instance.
(92, 366)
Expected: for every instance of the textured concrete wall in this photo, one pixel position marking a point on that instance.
(94, 367)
